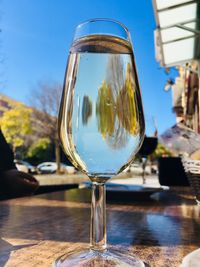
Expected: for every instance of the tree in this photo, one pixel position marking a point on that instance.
(127, 113)
(86, 110)
(16, 125)
(160, 151)
(45, 100)
(39, 149)
(116, 109)
(105, 110)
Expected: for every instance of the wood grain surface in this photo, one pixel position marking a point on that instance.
(160, 229)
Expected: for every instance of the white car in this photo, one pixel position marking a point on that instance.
(136, 168)
(24, 166)
(51, 167)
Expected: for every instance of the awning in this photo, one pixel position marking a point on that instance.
(178, 31)
(180, 139)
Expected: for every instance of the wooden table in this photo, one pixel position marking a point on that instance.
(36, 230)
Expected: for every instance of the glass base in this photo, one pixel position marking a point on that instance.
(192, 259)
(92, 258)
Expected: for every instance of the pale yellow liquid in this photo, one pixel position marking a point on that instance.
(101, 118)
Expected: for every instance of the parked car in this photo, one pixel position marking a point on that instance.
(136, 169)
(25, 166)
(51, 167)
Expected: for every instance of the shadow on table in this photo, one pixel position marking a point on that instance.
(7, 248)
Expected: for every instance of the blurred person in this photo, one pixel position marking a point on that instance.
(13, 183)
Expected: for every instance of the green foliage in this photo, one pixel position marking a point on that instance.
(39, 149)
(16, 124)
(117, 109)
(161, 151)
(127, 113)
(105, 110)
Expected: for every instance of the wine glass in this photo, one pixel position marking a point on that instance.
(101, 124)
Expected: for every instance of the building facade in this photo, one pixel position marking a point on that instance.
(177, 44)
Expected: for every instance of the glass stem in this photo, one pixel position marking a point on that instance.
(98, 239)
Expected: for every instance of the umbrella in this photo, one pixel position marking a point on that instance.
(180, 139)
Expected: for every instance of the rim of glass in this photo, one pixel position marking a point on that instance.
(103, 19)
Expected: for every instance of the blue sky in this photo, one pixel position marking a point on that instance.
(36, 36)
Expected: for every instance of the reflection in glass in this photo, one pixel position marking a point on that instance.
(127, 114)
(116, 120)
(86, 109)
(105, 110)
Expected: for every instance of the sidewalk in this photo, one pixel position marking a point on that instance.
(67, 179)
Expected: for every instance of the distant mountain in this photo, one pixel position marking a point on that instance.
(7, 103)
